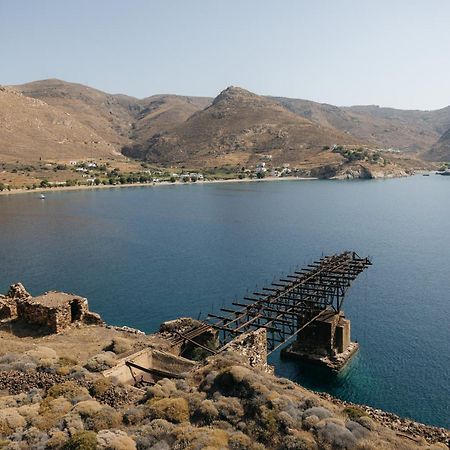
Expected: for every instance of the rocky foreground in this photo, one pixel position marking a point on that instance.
(50, 400)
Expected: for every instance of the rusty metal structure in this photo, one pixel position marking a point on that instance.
(294, 302)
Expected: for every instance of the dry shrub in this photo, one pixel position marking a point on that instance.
(120, 345)
(10, 420)
(163, 388)
(337, 435)
(69, 390)
(103, 419)
(354, 412)
(87, 408)
(200, 438)
(319, 411)
(299, 440)
(51, 412)
(230, 409)
(100, 362)
(84, 440)
(73, 423)
(206, 412)
(57, 440)
(240, 441)
(158, 431)
(174, 410)
(114, 440)
(357, 430)
(134, 416)
(100, 386)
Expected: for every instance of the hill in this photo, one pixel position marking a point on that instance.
(32, 129)
(117, 119)
(440, 151)
(237, 128)
(405, 130)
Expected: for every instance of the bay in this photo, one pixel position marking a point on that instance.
(142, 255)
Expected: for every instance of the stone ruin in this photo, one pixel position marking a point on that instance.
(53, 311)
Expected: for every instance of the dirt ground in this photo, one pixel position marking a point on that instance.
(78, 343)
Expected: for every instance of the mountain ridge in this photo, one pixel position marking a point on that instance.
(130, 123)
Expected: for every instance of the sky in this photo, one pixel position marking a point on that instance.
(343, 52)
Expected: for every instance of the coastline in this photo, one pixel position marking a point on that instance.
(162, 183)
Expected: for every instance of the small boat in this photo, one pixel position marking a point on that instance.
(426, 174)
(42, 196)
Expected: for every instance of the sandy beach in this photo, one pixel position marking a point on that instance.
(162, 183)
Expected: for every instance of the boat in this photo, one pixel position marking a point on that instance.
(445, 172)
(42, 196)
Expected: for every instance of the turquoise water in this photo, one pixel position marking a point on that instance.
(144, 255)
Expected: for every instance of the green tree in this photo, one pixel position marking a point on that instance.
(2, 187)
(44, 184)
(97, 181)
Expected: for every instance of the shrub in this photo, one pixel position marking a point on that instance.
(207, 412)
(336, 435)
(104, 418)
(10, 419)
(230, 409)
(84, 440)
(115, 440)
(69, 390)
(119, 345)
(319, 411)
(51, 411)
(174, 410)
(100, 386)
(354, 413)
(100, 362)
(56, 440)
(87, 408)
(134, 416)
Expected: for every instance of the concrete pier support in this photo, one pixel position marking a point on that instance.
(326, 341)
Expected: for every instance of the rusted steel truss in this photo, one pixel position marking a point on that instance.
(294, 302)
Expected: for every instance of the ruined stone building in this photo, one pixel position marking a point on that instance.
(53, 311)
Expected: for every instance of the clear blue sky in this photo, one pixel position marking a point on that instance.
(386, 52)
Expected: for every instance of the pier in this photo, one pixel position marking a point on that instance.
(307, 305)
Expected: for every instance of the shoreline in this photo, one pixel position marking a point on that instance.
(162, 183)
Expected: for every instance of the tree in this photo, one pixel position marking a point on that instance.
(97, 181)
(2, 187)
(44, 184)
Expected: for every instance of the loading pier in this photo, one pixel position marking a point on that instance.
(307, 305)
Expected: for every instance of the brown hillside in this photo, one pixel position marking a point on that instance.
(109, 116)
(407, 130)
(31, 129)
(163, 112)
(118, 119)
(237, 128)
(440, 151)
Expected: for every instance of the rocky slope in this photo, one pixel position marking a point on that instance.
(32, 129)
(440, 151)
(410, 131)
(52, 401)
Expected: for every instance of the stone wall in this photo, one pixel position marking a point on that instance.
(253, 346)
(53, 311)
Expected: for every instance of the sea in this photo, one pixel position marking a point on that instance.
(143, 255)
